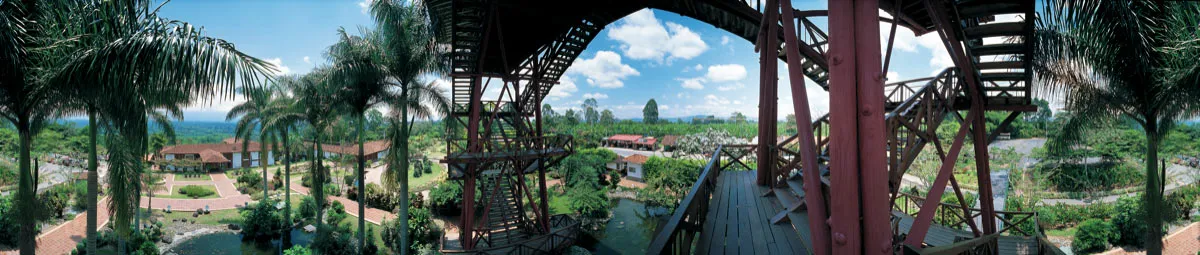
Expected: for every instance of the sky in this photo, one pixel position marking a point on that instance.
(687, 66)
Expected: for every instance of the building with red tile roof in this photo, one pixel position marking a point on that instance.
(227, 154)
(373, 150)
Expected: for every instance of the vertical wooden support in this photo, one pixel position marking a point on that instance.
(543, 198)
(872, 154)
(916, 234)
(767, 96)
(815, 199)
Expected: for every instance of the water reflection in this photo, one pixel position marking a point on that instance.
(231, 243)
(630, 230)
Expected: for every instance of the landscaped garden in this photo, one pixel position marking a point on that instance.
(193, 192)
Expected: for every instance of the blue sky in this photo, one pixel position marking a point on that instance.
(687, 66)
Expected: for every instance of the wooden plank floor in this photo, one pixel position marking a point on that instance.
(739, 220)
(941, 235)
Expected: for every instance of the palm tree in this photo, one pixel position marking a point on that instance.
(314, 106)
(282, 116)
(1116, 60)
(251, 115)
(409, 52)
(358, 66)
(122, 49)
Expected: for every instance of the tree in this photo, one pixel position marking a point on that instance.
(250, 116)
(589, 111)
(650, 112)
(284, 115)
(1121, 60)
(702, 143)
(314, 105)
(570, 117)
(606, 117)
(737, 118)
(121, 49)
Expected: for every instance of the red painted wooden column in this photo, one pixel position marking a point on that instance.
(858, 157)
(768, 92)
(814, 198)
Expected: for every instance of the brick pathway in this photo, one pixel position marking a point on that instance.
(230, 198)
(63, 238)
(1185, 241)
(373, 215)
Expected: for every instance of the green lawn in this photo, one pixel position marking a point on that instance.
(1068, 232)
(426, 181)
(175, 193)
(192, 177)
(559, 204)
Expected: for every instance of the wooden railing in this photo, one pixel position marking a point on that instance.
(678, 235)
(952, 215)
(564, 231)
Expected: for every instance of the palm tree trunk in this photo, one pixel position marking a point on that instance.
(404, 162)
(287, 189)
(262, 161)
(318, 175)
(1153, 194)
(26, 190)
(362, 213)
(93, 184)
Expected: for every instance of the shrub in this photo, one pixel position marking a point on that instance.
(55, 199)
(340, 240)
(80, 199)
(1130, 221)
(8, 221)
(378, 198)
(332, 190)
(416, 173)
(308, 208)
(194, 191)
(1180, 203)
(588, 201)
(248, 177)
(447, 194)
(1093, 235)
(421, 230)
(298, 250)
(261, 220)
(337, 214)
(349, 180)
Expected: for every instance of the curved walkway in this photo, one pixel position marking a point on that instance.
(63, 238)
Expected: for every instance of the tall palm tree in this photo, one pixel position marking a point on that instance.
(283, 115)
(409, 53)
(251, 115)
(1115, 60)
(121, 49)
(315, 99)
(358, 67)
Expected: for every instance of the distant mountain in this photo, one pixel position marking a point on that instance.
(689, 118)
(185, 131)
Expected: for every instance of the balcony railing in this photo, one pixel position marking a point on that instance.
(680, 232)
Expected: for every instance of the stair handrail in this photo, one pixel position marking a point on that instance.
(691, 211)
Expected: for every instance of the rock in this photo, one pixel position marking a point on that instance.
(167, 239)
(235, 227)
(195, 214)
(310, 229)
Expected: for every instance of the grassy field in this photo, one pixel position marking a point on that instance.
(175, 193)
(426, 181)
(375, 230)
(216, 218)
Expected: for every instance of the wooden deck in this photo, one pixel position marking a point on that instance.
(941, 236)
(739, 220)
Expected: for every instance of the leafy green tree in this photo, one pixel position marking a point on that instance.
(282, 116)
(571, 117)
(606, 117)
(590, 115)
(738, 118)
(650, 112)
(1114, 60)
(314, 105)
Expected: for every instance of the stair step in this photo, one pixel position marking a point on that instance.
(998, 49)
(996, 29)
(1002, 76)
(1001, 65)
(984, 8)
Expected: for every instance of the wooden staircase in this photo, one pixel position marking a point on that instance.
(505, 220)
(1003, 69)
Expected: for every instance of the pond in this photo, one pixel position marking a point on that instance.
(630, 230)
(231, 243)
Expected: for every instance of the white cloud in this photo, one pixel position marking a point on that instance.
(698, 67)
(365, 5)
(724, 39)
(643, 37)
(693, 83)
(595, 95)
(604, 70)
(280, 68)
(564, 88)
(306, 60)
(723, 73)
(893, 76)
(715, 100)
(683, 95)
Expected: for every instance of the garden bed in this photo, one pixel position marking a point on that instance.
(193, 192)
